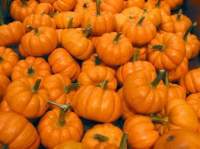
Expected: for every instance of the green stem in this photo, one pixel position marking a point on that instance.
(103, 84)
(1, 59)
(158, 4)
(189, 30)
(136, 55)
(97, 60)
(36, 86)
(166, 79)
(87, 31)
(159, 119)
(70, 23)
(158, 47)
(160, 76)
(31, 71)
(5, 146)
(71, 87)
(141, 20)
(123, 143)
(36, 31)
(98, 3)
(180, 12)
(117, 38)
(101, 138)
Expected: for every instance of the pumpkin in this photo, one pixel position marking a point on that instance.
(27, 97)
(69, 145)
(100, 21)
(177, 115)
(39, 42)
(59, 35)
(134, 66)
(178, 139)
(11, 33)
(44, 8)
(8, 59)
(113, 6)
(47, 1)
(64, 5)
(62, 62)
(166, 51)
(31, 67)
(4, 82)
(135, 29)
(39, 20)
(84, 49)
(114, 44)
(4, 107)
(67, 19)
(141, 131)
(179, 71)
(153, 15)
(102, 134)
(174, 3)
(135, 3)
(191, 82)
(20, 9)
(181, 22)
(145, 93)
(97, 103)
(194, 101)
(58, 126)
(24, 135)
(59, 88)
(167, 23)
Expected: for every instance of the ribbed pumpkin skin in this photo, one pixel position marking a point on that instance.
(52, 133)
(194, 101)
(69, 145)
(44, 8)
(11, 33)
(24, 134)
(4, 107)
(176, 91)
(64, 5)
(4, 82)
(95, 103)
(113, 6)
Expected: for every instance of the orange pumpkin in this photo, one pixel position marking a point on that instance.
(69, 145)
(141, 132)
(101, 104)
(4, 107)
(8, 59)
(174, 3)
(145, 93)
(20, 9)
(44, 8)
(179, 71)
(102, 134)
(24, 135)
(27, 97)
(84, 49)
(135, 3)
(67, 19)
(114, 44)
(62, 62)
(113, 6)
(31, 67)
(167, 23)
(59, 35)
(178, 139)
(39, 20)
(64, 5)
(47, 1)
(194, 101)
(39, 42)
(134, 66)
(100, 21)
(59, 125)
(166, 51)
(191, 81)
(11, 33)
(4, 82)
(181, 22)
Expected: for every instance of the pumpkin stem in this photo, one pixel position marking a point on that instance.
(141, 20)
(24, 2)
(103, 84)
(98, 3)
(158, 4)
(1, 18)
(70, 23)
(71, 87)
(36, 31)
(85, 5)
(189, 30)
(171, 138)
(97, 60)
(87, 31)
(5, 146)
(136, 55)
(159, 119)
(117, 38)
(31, 71)
(123, 143)
(160, 76)
(180, 12)
(166, 78)
(158, 47)
(1, 59)
(36, 85)
(101, 138)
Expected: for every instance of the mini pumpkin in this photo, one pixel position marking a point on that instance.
(114, 6)
(64, 5)
(174, 3)
(101, 104)
(69, 145)
(62, 123)
(24, 135)
(39, 42)
(8, 59)
(194, 101)
(166, 51)
(114, 44)
(44, 8)
(47, 1)
(27, 97)
(84, 48)
(20, 9)
(59, 35)
(4, 82)
(141, 132)
(135, 3)
(167, 23)
(101, 135)
(62, 62)
(31, 67)
(11, 33)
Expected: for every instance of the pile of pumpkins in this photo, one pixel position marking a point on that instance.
(100, 60)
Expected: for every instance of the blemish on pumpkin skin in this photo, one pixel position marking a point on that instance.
(171, 138)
